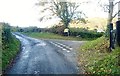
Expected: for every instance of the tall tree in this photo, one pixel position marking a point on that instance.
(118, 10)
(111, 13)
(65, 11)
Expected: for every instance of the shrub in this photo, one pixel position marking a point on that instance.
(84, 33)
(57, 30)
(6, 35)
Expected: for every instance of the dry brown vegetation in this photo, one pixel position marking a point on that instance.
(92, 23)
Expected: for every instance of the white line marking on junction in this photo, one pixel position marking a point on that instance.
(59, 46)
(64, 46)
(68, 51)
(41, 44)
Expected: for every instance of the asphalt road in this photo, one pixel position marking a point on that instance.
(44, 57)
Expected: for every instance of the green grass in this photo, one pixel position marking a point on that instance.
(108, 65)
(52, 36)
(10, 52)
(94, 58)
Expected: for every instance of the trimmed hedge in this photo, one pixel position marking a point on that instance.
(84, 33)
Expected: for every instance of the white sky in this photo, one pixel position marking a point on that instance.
(25, 13)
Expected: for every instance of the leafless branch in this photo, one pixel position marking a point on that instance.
(116, 14)
(99, 1)
(116, 3)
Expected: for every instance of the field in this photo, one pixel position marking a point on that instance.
(52, 36)
(93, 23)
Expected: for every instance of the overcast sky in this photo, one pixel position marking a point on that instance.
(25, 13)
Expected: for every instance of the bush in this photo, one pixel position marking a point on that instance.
(84, 33)
(57, 30)
(78, 32)
(6, 35)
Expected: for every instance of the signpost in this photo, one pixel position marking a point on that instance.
(111, 37)
(66, 32)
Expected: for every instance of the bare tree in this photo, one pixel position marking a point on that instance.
(65, 11)
(111, 13)
(119, 10)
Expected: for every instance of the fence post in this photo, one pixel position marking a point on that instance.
(111, 37)
(118, 33)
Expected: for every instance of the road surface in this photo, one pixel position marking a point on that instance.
(44, 57)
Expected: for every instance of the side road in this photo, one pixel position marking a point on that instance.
(44, 57)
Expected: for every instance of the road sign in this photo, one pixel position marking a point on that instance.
(66, 30)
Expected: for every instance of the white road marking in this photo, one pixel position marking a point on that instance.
(64, 49)
(64, 46)
(68, 51)
(60, 46)
(41, 44)
(23, 48)
(25, 56)
(36, 72)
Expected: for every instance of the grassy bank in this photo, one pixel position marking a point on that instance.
(10, 52)
(53, 36)
(95, 59)
(10, 46)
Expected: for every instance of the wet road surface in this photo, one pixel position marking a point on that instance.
(43, 57)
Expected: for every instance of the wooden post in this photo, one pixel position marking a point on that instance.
(111, 37)
(118, 33)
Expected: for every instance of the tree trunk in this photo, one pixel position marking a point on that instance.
(110, 18)
(119, 12)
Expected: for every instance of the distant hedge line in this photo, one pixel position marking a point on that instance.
(84, 33)
(78, 32)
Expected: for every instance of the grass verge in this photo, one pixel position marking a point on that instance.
(94, 58)
(53, 36)
(10, 52)
(0, 49)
